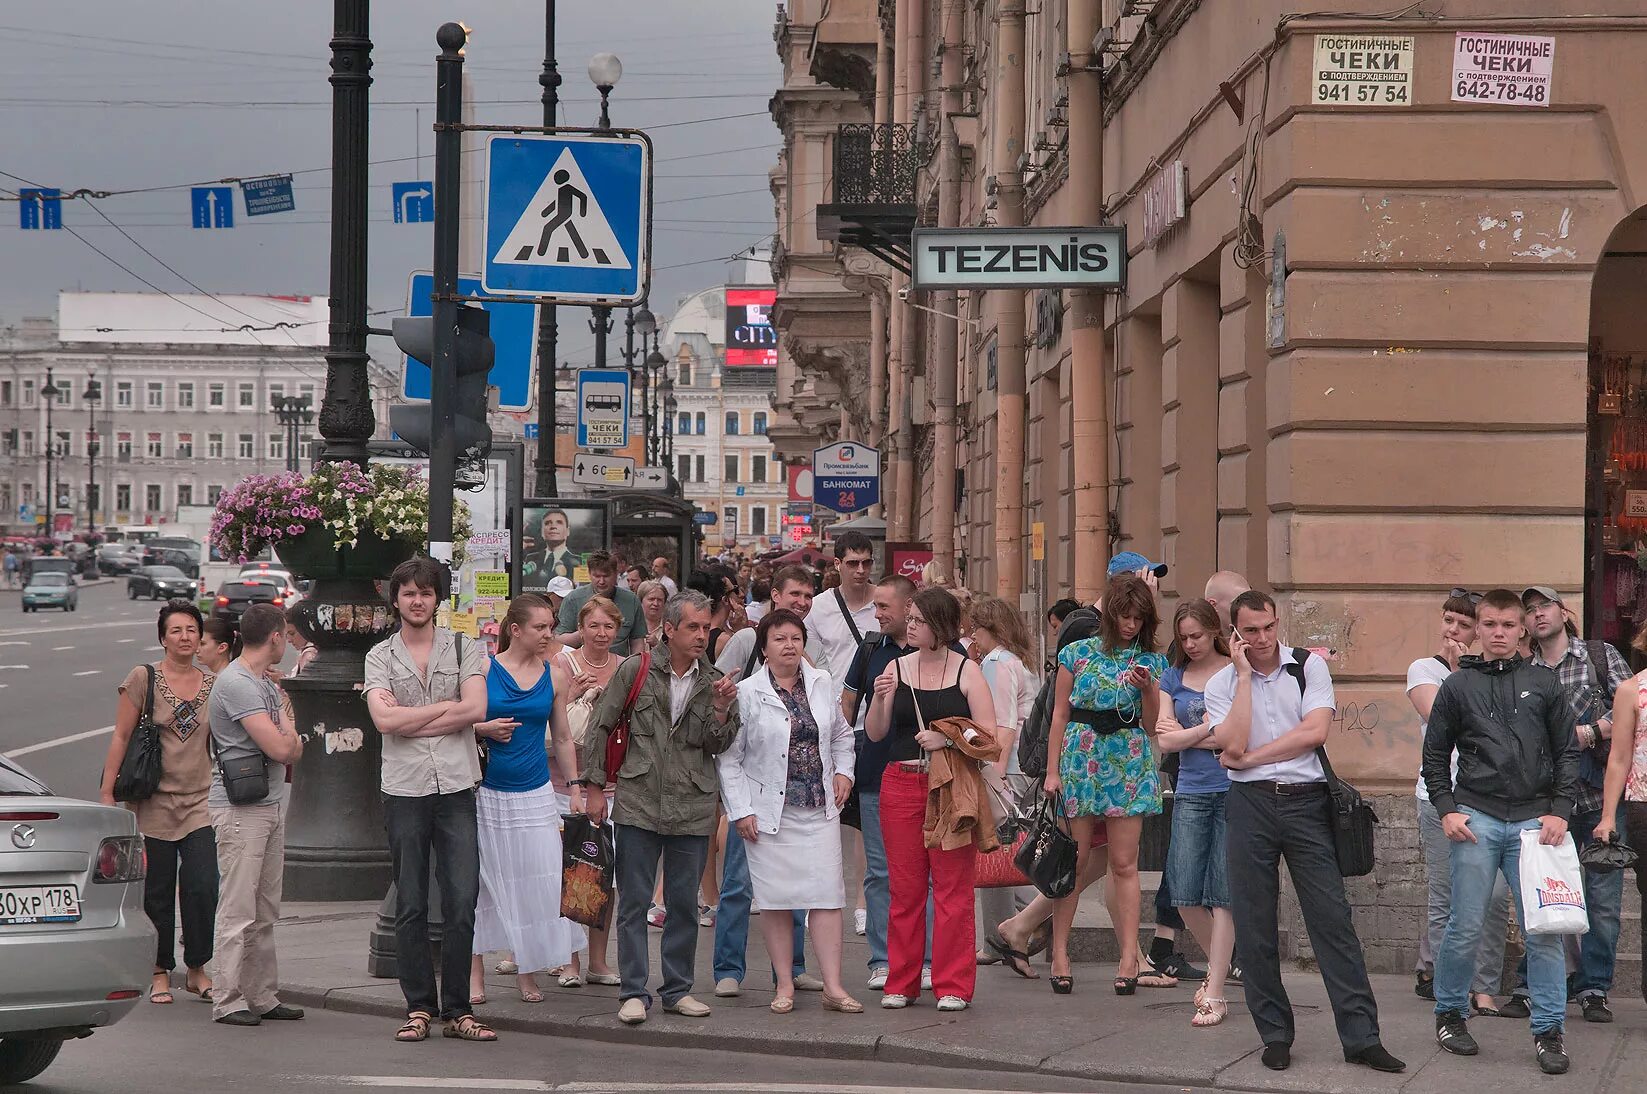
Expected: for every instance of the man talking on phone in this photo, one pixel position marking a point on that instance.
(1512, 728)
(1270, 710)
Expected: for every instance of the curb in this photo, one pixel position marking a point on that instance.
(899, 1048)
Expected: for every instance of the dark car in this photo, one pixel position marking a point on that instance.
(176, 557)
(234, 597)
(159, 583)
(118, 558)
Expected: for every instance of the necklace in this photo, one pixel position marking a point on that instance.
(590, 663)
(921, 667)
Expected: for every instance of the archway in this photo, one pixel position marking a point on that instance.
(1615, 489)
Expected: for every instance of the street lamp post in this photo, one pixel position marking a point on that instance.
(293, 411)
(92, 395)
(604, 72)
(654, 366)
(50, 393)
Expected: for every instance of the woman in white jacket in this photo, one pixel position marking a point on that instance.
(784, 780)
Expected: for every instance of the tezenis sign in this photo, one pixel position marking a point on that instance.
(1019, 258)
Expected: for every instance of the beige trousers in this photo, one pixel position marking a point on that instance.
(251, 855)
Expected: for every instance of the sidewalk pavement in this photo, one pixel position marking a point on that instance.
(1014, 1024)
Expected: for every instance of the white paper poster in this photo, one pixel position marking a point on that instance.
(1363, 69)
(1513, 69)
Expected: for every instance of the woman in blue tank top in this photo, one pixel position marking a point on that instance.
(516, 810)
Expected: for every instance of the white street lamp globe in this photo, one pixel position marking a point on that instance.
(605, 70)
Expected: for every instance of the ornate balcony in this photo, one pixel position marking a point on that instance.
(874, 174)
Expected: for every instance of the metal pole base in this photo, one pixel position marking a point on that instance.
(382, 947)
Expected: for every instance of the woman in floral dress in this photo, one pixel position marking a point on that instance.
(1106, 705)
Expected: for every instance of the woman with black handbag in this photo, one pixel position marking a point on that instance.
(169, 699)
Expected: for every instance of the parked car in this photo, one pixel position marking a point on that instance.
(264, 569)
(49, 589)
(158, 583)
(234, 597)
(43, 564)
(118, 558)
(75, 945)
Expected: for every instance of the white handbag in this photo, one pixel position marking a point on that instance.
(1552, 886)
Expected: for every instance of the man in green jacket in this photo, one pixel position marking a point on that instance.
(684, 716)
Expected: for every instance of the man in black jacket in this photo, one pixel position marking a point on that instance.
(1510, 726)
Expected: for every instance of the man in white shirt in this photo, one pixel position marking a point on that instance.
(660, 572)
(1271, 710)
(842, 616)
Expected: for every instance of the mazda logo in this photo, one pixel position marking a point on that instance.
(22, 836)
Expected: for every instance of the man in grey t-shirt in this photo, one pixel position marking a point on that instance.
(246, 720)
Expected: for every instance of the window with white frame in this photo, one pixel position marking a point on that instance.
(28, 442)
(65, 442)
(731, 423)
(731, 469)
(243, 446)
(757, 520)
(185, 448)
(123, 446)
(28, 392)
(151, 497)
(123, 394)
(684, 426)
(277, 446)
(701, 423)
(214, 446)
(154, 447)
(123, 497)
(154, 395)
(7, 391)
(757, 469)
(759, 427)
(685, 472)
(246, 397)
(185, 494)
(213, 492)
(214, 397)
(698, 467)
(185, 395)
(25, 492)
(276, 391)
(308, 390)
(8, 446)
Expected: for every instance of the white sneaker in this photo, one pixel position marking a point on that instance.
(877, 978)
(860, 921)
(926, 979)
(894, 1002)
(952, 1002)
(807, 982)
(728, 988)
(632, 1013)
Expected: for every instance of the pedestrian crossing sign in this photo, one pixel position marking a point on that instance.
(568, 217)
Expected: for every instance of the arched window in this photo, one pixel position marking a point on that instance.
(760, 423)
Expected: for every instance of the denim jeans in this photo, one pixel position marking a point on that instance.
(877, 889)
(732, 915)
(1197, 873)
(1438, 870)
(1496, 850)
(1596, 952)
(683, 857)
(444, 825)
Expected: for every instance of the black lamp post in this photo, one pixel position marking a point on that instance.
(293, 411)
(654, 435)
(50, 393)
(92, 395)
(605, 70)
(669, 405)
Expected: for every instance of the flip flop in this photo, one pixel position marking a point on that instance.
(1016, 960)
(1153, 979)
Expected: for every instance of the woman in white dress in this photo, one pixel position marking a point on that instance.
(784, 780)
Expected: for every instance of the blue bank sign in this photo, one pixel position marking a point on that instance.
(846, 477)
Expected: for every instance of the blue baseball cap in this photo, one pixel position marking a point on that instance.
(1130, 562)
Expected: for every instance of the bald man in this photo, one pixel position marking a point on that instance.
(1223, 587)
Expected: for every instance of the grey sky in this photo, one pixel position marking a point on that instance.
(75, 73)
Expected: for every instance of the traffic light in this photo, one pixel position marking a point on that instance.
(474, 352)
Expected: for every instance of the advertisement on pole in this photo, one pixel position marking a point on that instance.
(1363, 70)
(1512, 69)
(846, 477)
(908, 560)
(557, 537)
(750, 338)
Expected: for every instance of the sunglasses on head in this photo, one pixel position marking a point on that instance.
(1475, 598)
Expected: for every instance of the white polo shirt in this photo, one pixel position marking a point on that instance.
(1277, 708)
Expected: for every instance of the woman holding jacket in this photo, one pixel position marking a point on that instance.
(784, 779)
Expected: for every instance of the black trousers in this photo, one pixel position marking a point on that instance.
(1262, 828)
(185, 868)
(444, 825)
(1635, 833)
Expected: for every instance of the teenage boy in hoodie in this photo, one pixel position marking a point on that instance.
(1512, 726)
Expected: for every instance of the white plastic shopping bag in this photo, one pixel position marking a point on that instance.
(1552, 886)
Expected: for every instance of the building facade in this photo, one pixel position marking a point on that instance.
(1370, 346)
(184, 407)
(724, 456)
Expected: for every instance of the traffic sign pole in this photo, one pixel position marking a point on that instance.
(443, 369)
(548, 328)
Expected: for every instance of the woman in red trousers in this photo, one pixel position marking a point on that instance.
(916, 690)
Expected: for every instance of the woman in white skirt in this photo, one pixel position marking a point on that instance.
(517, 813)
(784, 780)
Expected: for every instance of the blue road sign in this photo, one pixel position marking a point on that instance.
(603, 407)
(213, 206)
(846, 477)
(39, 209)
(25, 514)
(701, 517)
(531, 431)
(514, 334)
(568, 217)
(414, 202)
(270, 195)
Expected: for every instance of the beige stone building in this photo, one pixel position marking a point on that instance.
(1382, 331)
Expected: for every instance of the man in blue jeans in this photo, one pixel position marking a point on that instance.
(1512, 729)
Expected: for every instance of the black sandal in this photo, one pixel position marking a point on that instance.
(1016, 960)
(1061, 985)
(1126, 985)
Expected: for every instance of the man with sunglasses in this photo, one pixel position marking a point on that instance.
(842, 616)
(1590, 673)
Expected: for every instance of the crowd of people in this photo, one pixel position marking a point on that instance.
(787, 730)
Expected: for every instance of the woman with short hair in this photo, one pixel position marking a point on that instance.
(176, 825)
(784, 779)
(653, 596)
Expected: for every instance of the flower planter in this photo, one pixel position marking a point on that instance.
(313, 555)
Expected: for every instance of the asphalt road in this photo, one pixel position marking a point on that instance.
(160, 1050)
(58, 672)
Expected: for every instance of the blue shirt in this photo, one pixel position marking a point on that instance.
(1199, 771)
(522, 762)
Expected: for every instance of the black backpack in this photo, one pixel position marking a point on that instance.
(1032, 742)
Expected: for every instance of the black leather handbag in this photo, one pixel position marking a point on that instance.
(1047, 855)
(1352, 821)
(139, 774)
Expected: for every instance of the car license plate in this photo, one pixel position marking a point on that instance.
(39, 904)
